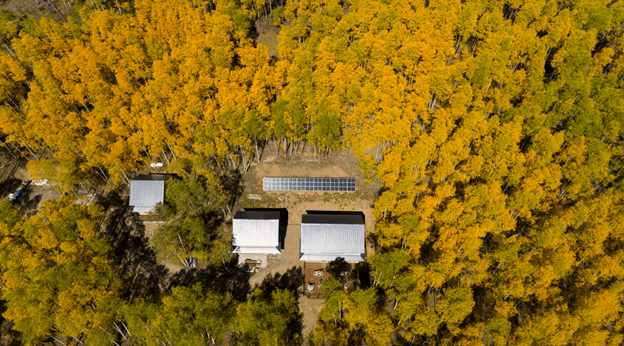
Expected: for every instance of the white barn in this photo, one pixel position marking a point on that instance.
(327, 237)
(256, 232)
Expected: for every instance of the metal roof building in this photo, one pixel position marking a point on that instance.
(256, 232)
(146, 191)
(324, 238)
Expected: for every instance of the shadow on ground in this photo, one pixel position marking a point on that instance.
(8, 336)
(232, 186)
(139, 270)
(29, 204)
(8, 186)
(291, 280)
(228, 277)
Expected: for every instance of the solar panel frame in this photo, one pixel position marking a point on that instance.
(309, 184)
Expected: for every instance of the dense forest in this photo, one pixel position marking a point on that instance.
(494, 128)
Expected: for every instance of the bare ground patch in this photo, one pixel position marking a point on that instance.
(267, 34)
(57, 10)
(339, 165)
(310, 309)
(14, 174)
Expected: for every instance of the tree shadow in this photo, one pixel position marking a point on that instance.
(295, 326)
(8, 336)
(232, 186)
(291, 280)
(338, 266)
(8, 186)
(361, 272)
(139, 271)
(358, 272)
(27, 205)
(228, 277)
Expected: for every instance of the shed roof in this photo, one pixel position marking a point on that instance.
(326, 242)
(145, 194)
(256, 232)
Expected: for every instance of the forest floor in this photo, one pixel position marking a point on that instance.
(339, 165)
(54, 9)
(267, 34)
(12, 174)
(34, 195)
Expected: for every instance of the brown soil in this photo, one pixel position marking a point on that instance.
(267, 34)
(288, 258)
(57, 10)
(13, 175)
(310, 309)
(337, 165)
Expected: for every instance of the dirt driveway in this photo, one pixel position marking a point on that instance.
(288, 258)
(298, 203)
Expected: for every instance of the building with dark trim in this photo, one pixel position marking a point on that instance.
(256, 232)
(327, 237)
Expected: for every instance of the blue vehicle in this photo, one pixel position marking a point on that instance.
(15, 196)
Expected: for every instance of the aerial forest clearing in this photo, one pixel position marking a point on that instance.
(489, 130)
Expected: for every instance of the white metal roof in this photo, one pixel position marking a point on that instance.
(268, 250)
(145, 194)
(330, 258)
(326, 242)
(256, 233)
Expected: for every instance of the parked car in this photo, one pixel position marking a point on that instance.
(16, 196)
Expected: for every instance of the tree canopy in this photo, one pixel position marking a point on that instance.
(58, 277)
(493, 127)
(194, 224)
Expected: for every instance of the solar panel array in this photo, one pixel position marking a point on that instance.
(308, 184)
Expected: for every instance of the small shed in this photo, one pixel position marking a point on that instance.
(327, 237)
(256, 232)
(146, 190)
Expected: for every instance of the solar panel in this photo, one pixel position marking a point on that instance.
(308, 184)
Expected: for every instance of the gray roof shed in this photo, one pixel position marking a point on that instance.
(146, 193)
(324, 238)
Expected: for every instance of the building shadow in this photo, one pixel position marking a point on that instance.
(291, 280)
(228, 277)
(139, 271)
(371, 239)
